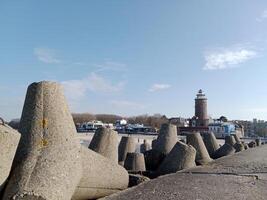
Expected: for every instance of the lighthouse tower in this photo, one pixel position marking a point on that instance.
(201, 111)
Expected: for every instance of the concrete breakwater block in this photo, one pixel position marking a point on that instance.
(229, 139)
(237, 139)
(127, 145)
(145, 147)
(239, 147)
(210, 142)
(47, 160)
(105, 142)
(252, 144)
(182, 156)
(258, 141)
(202, 155)
(154, 143)
(153, 159)
(245, 146)
(9, 140)
(135, 162)
(224, 150)
(100, 176)
(167, 138)
(136, 179)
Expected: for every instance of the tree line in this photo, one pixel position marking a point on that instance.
(154, 121)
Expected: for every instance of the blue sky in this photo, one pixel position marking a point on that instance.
(135, 57)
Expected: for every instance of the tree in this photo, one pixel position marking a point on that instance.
(223, 119)
(108, 118)
(82, 117)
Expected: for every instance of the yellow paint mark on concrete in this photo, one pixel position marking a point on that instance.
(43, 143)
(44, 123)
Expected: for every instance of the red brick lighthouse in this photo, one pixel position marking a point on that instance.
(201, 110)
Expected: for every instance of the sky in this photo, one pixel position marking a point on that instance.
(137, 57)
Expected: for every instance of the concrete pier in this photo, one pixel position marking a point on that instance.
(239, 176)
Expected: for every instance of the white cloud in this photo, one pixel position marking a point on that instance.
(126, 104)
(76, 89)
(98, 83)
(157, 87)
(227, 58)
(263, 16)
(111, 66)
(46, 55)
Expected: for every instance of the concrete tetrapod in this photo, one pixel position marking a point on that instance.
(47, 163)
(210, 142)
(182, 156)
(252, 144)
(135, 162)
(239, 147)
(153, 159)
(237, 139)
(100, 176)
(202, 155)
(105, 142)
(229, 139)
(224, 150)
(127, 145)
(136, 179)
(9, 140)
(154, 143)
(245, 146)
(145, 147)
(167, 138)
(258, 141)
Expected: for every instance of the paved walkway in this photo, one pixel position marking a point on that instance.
(242, 176)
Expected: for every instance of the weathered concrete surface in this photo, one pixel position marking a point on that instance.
(105, 142)
(136, 179)
(230, 139)
(252, 161)
(182, 156)
(224, 150)
(239, 147)
(154, 143)
(47, 163)
(202, 155)
(252, 144)
(258, 141)
(167, 138)
(241, 176)
(237, 138)
(153, 159)
(145, 147)
(211, 143)
(100, 176)
(9, 140)
(127, 145)
(135, 162)
(196, 187)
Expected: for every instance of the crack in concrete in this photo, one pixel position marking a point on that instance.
(252, 174)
